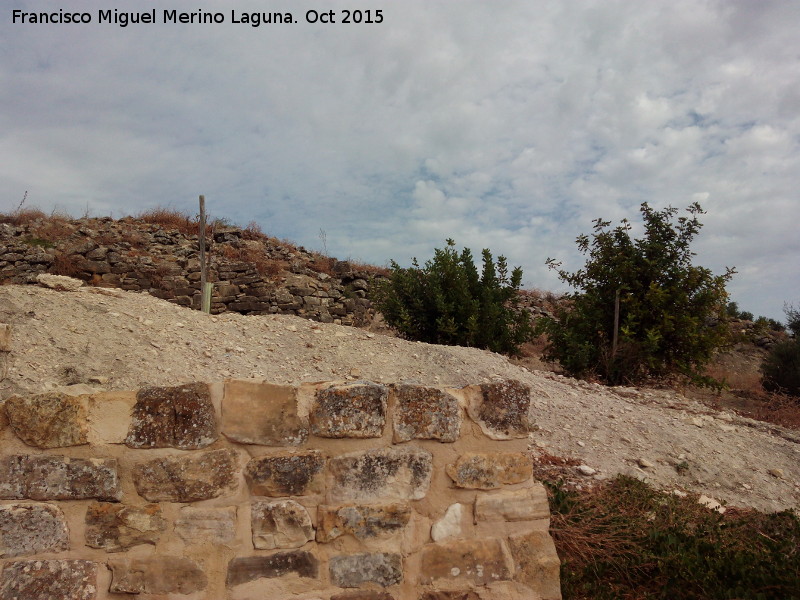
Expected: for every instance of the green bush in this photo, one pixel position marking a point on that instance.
(671, 312)
(781, 369)
(446, 301)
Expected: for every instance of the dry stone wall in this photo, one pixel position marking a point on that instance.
(245, 490)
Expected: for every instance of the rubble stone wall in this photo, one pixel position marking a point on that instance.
(247, 490)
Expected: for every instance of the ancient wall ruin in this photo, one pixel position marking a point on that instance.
(248, 490)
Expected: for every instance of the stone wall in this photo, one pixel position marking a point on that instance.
(250, 276)
(251, 491)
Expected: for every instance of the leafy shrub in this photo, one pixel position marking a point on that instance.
(446, 301)
(781, 368)
(671, 312)
(627, 540)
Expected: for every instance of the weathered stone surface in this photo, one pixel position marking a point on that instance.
(502, 411)
(356, 410)
(280, 524)
(356, 570)
(49, 579)
(116, 527)
(286, 474)
(400, 473)
(361, 521)
(173, 417)
(58, 478)
(206, 525)
(5, 337)
(537, 564)
(451, 595)
(513, 505)
(425, 413)
(363, 595)
(489, 470)
(187, 478)
(156, 575)
(49, 420)
(26, 529)
(262, 413)
(61, 283)
(449, 525)
(479, 562)
(248, 568)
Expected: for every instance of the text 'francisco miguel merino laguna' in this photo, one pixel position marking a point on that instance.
(254, 19)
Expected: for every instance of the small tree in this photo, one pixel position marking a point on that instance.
(671, 312)
(448, 302)
(781, 368)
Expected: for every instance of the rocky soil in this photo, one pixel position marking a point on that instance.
(99, 338)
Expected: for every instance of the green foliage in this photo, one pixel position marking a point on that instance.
(627, 540)
(447, 301)
(781, 369)
(672, 313)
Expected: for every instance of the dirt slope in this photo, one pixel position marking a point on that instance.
(110, 339)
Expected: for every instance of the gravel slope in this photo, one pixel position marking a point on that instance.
(111, 339)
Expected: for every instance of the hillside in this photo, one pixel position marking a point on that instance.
(96, 338)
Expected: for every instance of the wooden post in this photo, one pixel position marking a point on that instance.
(205, 287)
(616, 324)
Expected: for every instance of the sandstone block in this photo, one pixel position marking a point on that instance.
(49, 420)
(53, 477)
(280, 524)
(26, 529)
(452, 595)
(5, 337)
(356, 570)
(513, 505)
(537, 563)
(45, 579)
(449, 525)
(361, 521)
(356, 410)
(116, 527)
(286, 474)
(248, 568)
(399, 473)
(489, 470)
(363, 595)
(478, 562)
(262, 413)
(187, 478)
(156, 575)
(425, 413)
(206, 525)
(61, 283)
(173, 417)
(502, 410)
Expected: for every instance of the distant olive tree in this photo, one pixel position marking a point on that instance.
(671, 314)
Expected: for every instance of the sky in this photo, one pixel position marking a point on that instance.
(504, 125)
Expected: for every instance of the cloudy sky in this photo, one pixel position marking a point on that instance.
(509, 125)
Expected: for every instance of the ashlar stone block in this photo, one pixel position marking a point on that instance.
(197, 525)
(363, 595)
(513, 505)
(156, 575)
(187, 478)
(357, 570)
(280, 524)
(173, 417)
(425, 413)
(116, 527)
(49, 420)
(502, 410)
(537, 563)
(65, 579)
(27, 529)
(361, 521)
(262, 413)
(286, 474)
(51, 477)
(478, 562)
(249, 568)
(356, 410)
(397, 473)
(489, 470)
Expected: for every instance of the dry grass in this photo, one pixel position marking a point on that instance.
(24, 216)
(65, 264)
(169, 218)
(264, 266)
